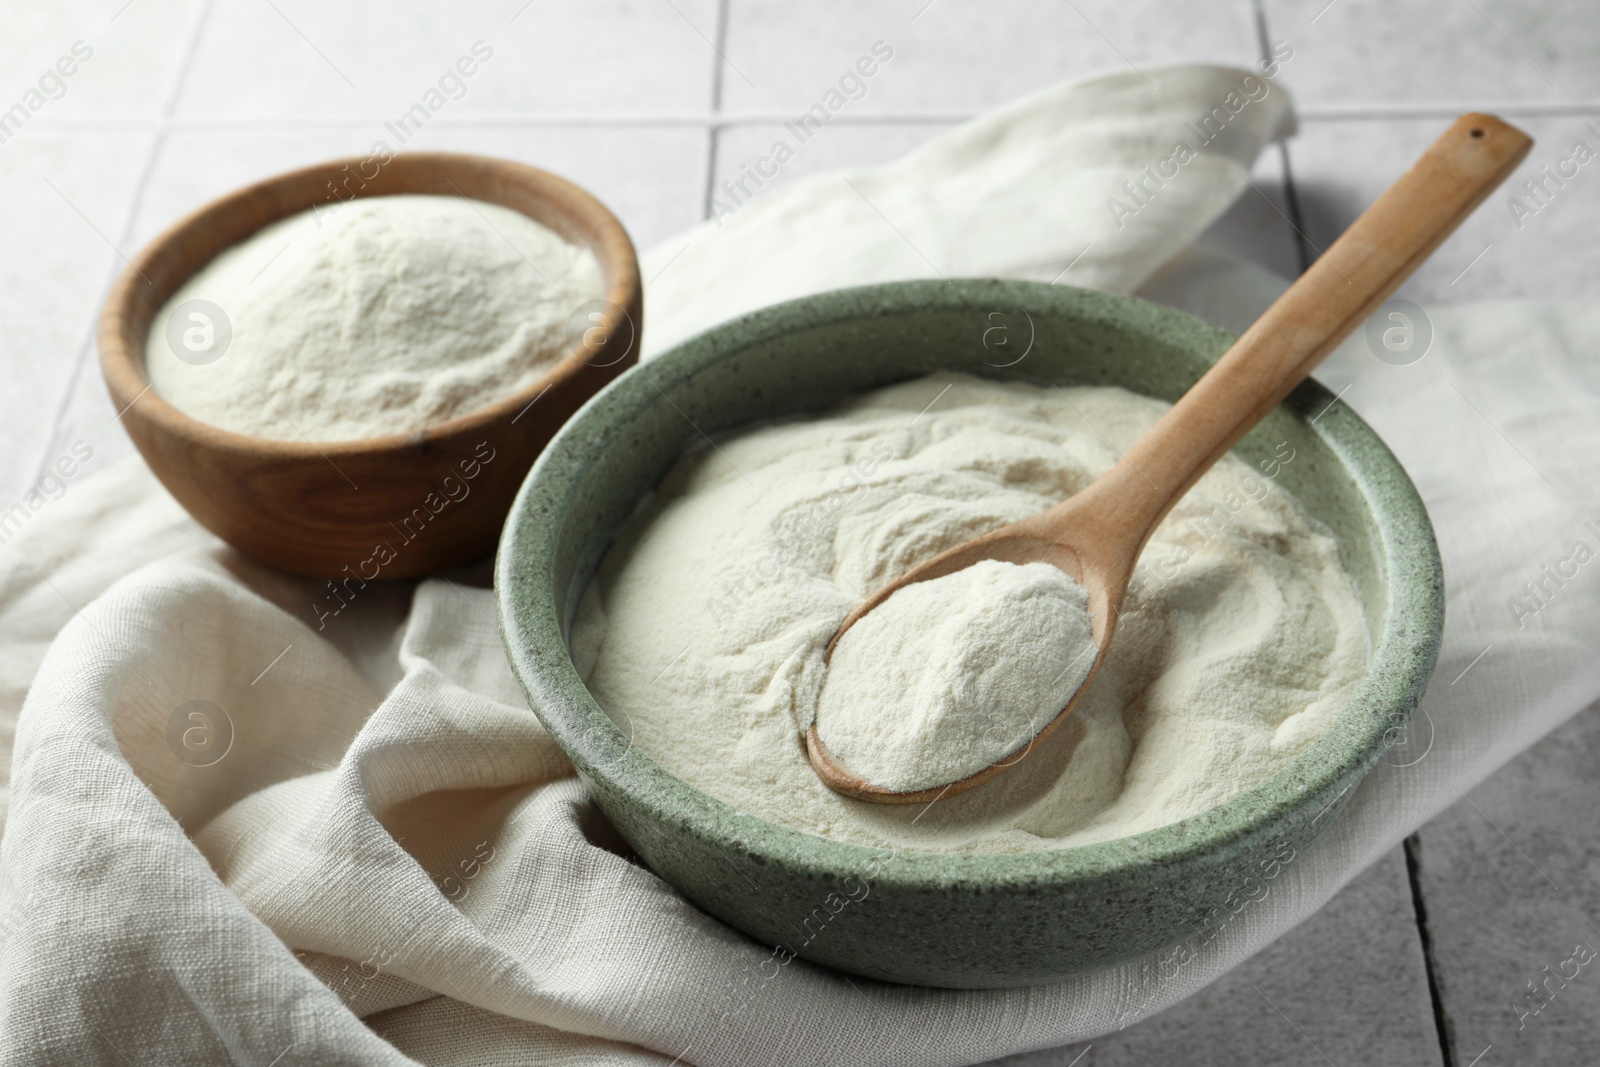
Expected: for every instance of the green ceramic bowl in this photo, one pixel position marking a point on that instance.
(954, 920)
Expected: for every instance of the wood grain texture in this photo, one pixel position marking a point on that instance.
(378, 508)
(1096, 535)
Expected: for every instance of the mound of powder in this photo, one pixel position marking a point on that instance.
(380, 316)
(702, 635)
(951, 675)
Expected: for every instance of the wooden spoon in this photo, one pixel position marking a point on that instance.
(1097, 534)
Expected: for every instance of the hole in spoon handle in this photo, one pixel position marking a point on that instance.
(1335, 295)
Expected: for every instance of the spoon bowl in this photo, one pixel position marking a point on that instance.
(1080, 553)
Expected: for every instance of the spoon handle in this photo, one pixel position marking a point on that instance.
(1334, 296)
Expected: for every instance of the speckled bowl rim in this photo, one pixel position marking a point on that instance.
(1402, 656)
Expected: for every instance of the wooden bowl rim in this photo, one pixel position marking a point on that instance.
(122, 353)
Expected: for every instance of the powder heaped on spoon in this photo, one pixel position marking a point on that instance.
(956, 673)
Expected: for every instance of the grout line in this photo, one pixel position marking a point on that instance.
(1291, 196)
(713, 145)
(191, 46)
(86, 344)
(713, 122)
(1412, 846)
(720, 50)
(1442, 110)
(85, 341)
(1258, 14)
(1311, 113)
(511, 119)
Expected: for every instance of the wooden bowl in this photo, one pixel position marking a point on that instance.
(383, 507)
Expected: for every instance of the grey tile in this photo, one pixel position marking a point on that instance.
(1348, 986)
(652, 177)
(1257, 227)
(374, 57)
(962, 55)
(125, 62)
(1463, 54)
(89, 418)
(1511, 877)
(1341, 166)
(746, 160)
(64, 203)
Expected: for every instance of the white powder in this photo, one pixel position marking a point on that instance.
(951, 675)
(1241, 638)
(382, 316)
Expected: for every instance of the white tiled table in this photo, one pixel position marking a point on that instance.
(652, 103)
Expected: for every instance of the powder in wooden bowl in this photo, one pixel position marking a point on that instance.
(383, 316)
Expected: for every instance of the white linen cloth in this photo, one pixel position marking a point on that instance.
(391, 862)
